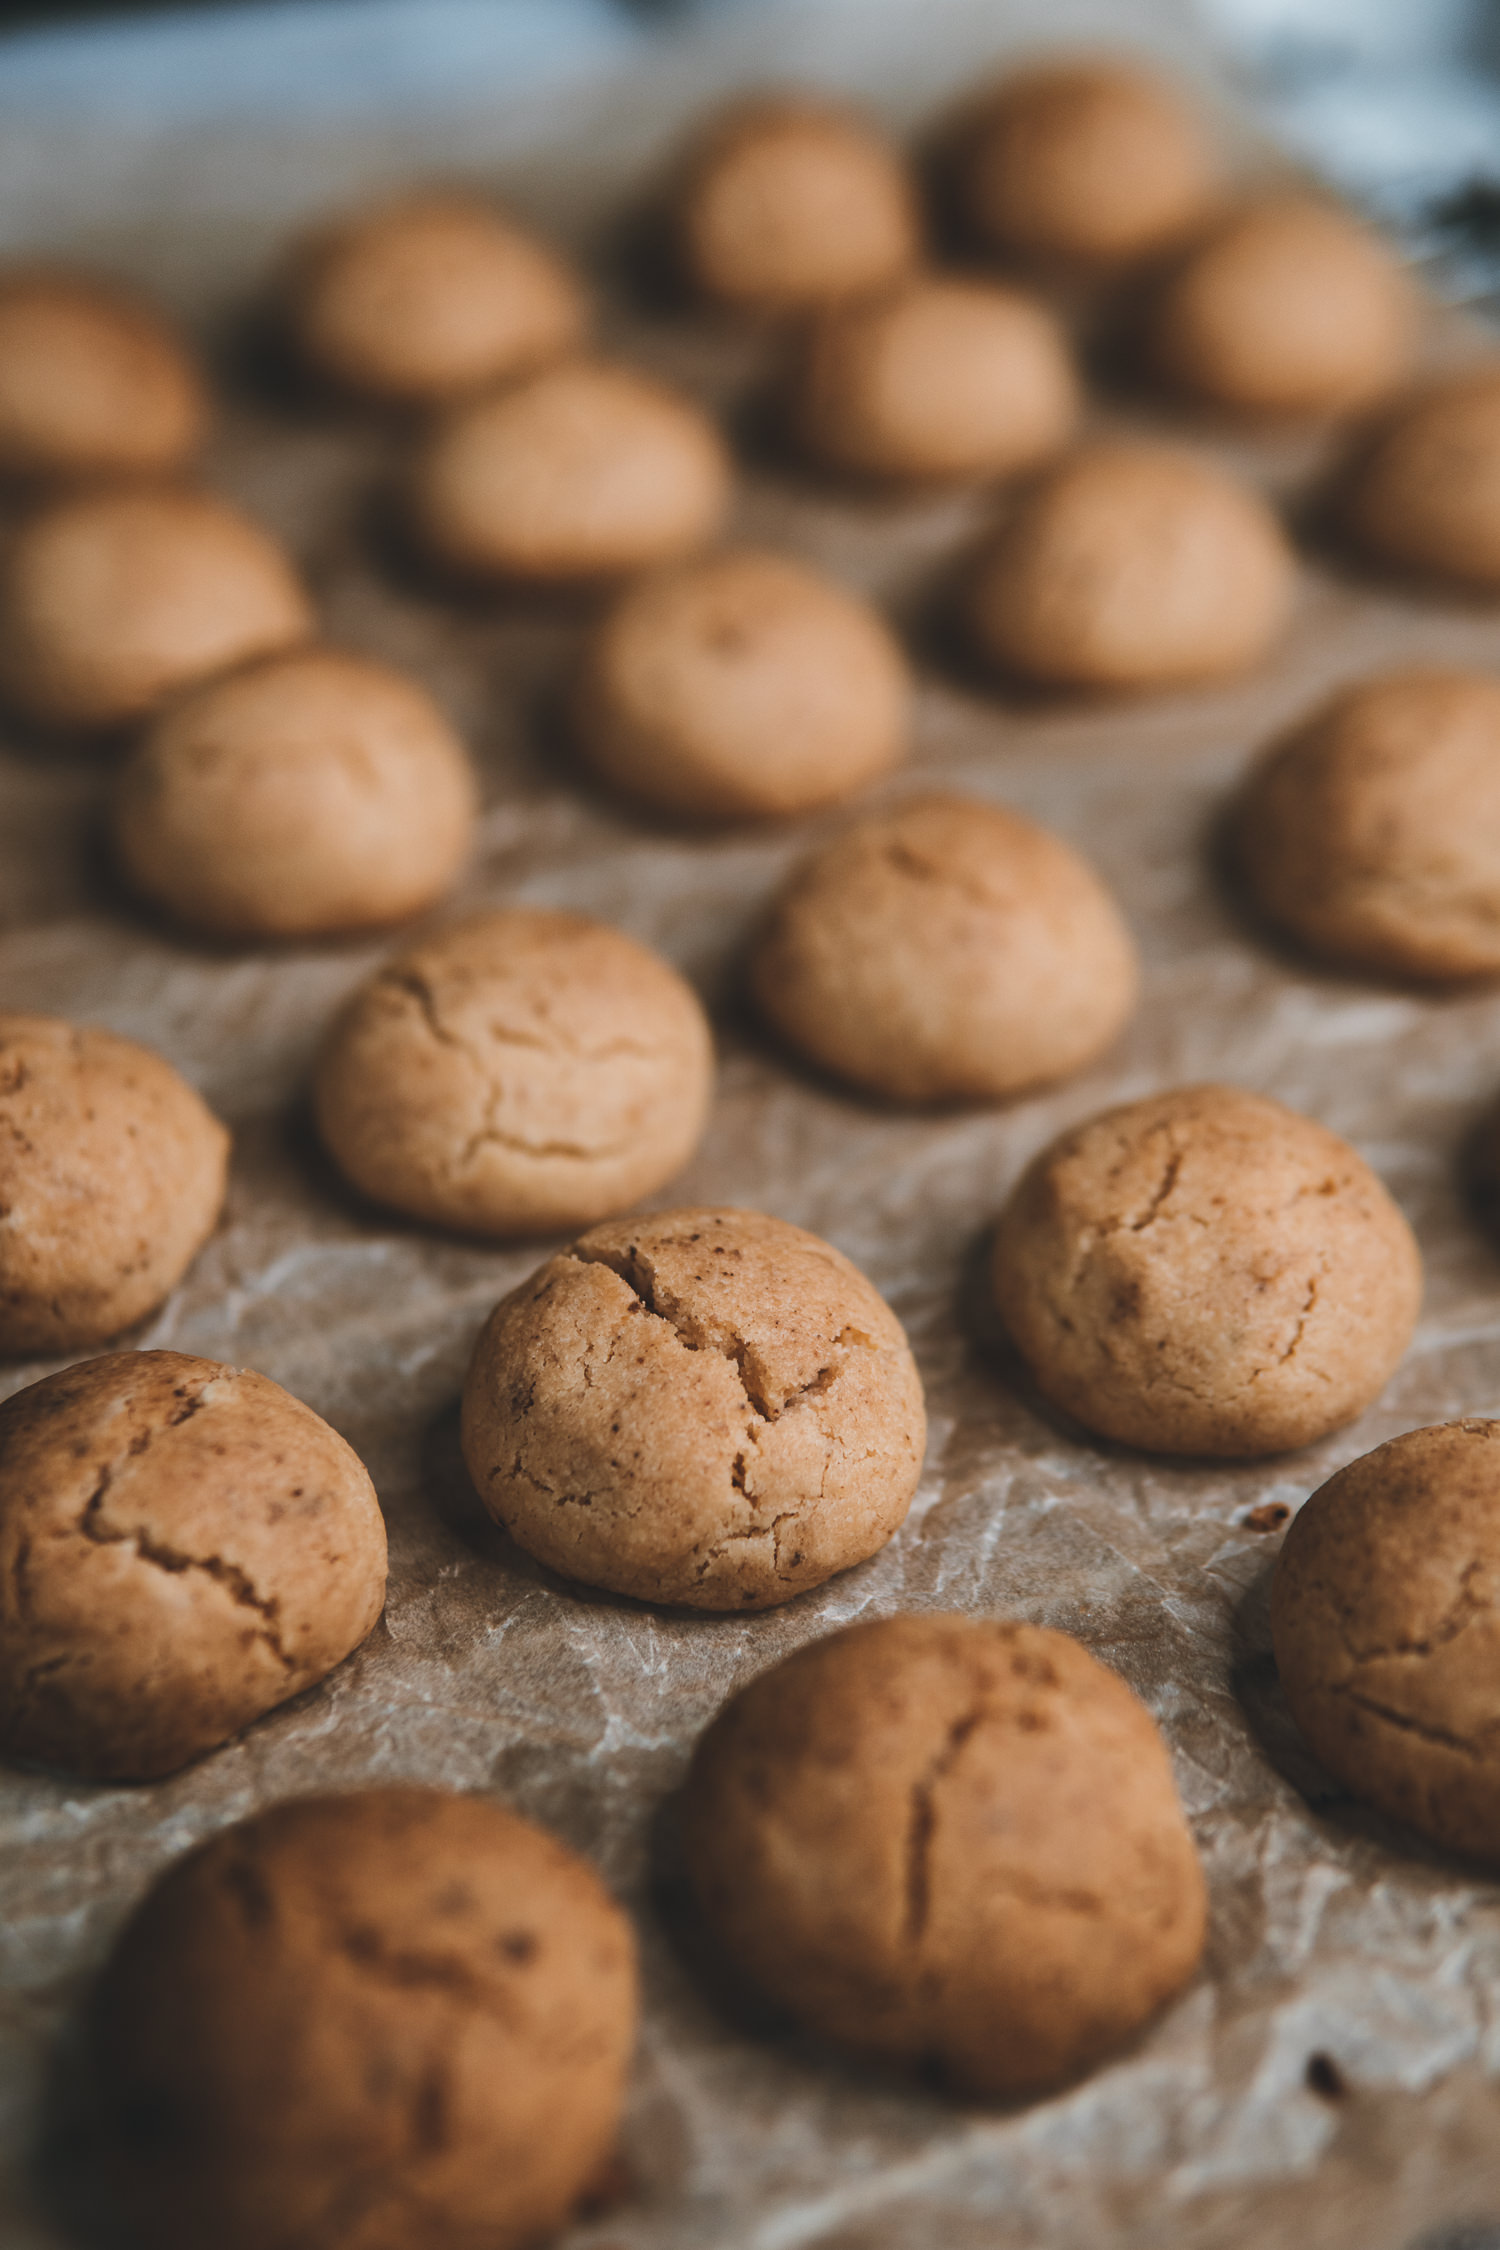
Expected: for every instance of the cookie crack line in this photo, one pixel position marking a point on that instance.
(576, 1152)
(560, 1047)
(1463, 1611)
(1438, 1736)
(409, 1968)
(921, 1823)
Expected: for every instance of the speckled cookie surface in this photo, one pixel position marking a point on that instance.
(1206, 1272)
(948, 1840)
(91, 382)
(707, 1408)
(1424, 490)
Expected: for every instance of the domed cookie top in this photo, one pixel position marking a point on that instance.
(1424, 491)
(92, 383)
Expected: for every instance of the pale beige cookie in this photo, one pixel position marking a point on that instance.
(518, 1073)
(1286, 306)
(111, 1180)
(1372, 830)
(785, 203)
(1130, 566)
(948, 1841)
(419, 299)
(947, 950)
(312, 792)
(936, 378)
(394, 2019)
(584, 471)
(112, 600)
(92, 383)
(705, 1408)
(1425, 490)
(1385, 1614)
(183, 1546)
(746, 686)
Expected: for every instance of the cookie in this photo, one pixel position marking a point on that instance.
(1423, 491)
(92, 383)
(583, 471)
(704, 1408)
(183, 1547)
(935, 378)
(948, 1841)
(945, 951)
(112, 1175)
(518, 1073)
(742, 687)
(1130, 566)
(785, 203)
(1371, 832)
(312, 792)
(112, 600)
(1206, 1272)
(420, 299)
(1385, 1615)
(369, 2021)
(1286, 306)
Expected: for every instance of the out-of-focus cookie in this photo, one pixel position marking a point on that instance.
(92, 382)
(1424, 489)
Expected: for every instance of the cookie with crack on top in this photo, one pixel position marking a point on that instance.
(1206, 1272)
(183, 1546)
(948, 1841)
(707, 1408)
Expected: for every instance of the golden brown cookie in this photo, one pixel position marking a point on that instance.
(951, 1841)
(583, 471)
(419, 299)
(936, 377)
(375, 2021)
(1424, 490)
(112, 600)
(1206, 1272)
(946, 950)
(111, 1178)
(518, 1073)
(311, 792)
(92, 383)
(183, 1546)
(785, 203)
(1131, 566)
(743, 687)
(1372, 830)
(706, 1408)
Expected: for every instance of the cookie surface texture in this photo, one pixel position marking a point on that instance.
(1424, 490)
(185, 1546)
(92, 383)
(707, 1408)
(1206, 1272)
(948, 1840)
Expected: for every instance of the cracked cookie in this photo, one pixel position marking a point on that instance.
(743, 687)
(183, 1546)
(310, 793)
(1424, 489)
(948, 1841)
(947, 950)
(1206, 1272)
(111, 1180)
(92, 383)
(375, 2021)
(1385, 1617)
(706, 1408)
(520, 1072)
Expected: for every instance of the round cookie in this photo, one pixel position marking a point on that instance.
(1372, 830)
(952, 1841)
(705, 1408)
(312, 792)
(92, 383)
(1287, 306)
(112, 600)
(417, 300)
(742, 687)
(936, 378)
(183, 1547)
(518, 1073)
(785, 204)
(946, 950)
(1424, 491)
(112, 1176)
(370, 2021)
(583, 471)
(1385, 1616)
(1130, 566)
(1206, 1272)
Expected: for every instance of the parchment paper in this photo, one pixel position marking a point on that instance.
(1333, 1937)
